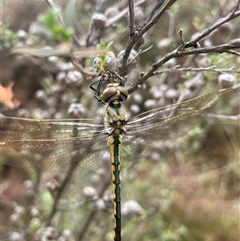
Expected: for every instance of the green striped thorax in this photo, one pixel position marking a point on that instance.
(115, 117)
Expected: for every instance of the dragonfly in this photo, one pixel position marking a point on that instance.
(70, 145)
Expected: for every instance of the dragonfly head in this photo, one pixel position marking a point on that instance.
(114, 92)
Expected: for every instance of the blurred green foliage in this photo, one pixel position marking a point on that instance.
(50, 19)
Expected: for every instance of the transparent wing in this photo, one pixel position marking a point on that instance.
(51, 145)
(160, 127)
(66, 145)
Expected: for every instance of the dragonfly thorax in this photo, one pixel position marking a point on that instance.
(115, 117)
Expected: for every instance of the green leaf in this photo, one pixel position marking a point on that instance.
(50, 18)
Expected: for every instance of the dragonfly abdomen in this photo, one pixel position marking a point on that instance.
(115, 143)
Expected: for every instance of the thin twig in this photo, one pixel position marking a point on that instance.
(121, 14)
(213, 27)
(94, 210)
(200, 69)
(83, 70)
(134, 38)
(131, 17)
(179, 52)
(158, 4)
(233, 52)
(234, 44)
(57, 199)
(155, 20)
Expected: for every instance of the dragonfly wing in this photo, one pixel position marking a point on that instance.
(160, 135)
(209, 103)
(161, 127)
(51, 145)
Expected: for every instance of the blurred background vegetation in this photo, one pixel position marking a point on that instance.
(186, 192)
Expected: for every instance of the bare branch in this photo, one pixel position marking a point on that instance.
(181, 52)
(158, 4)
(201, 69)
(237, 6)
(157, 17)
(182, 38)
(233, 44)
(233, 52)
(138, 34)
(209, 30)
(84, 71)
(116, 18)
(131, 17)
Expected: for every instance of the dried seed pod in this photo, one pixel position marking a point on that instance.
(16, 236)
(226, 80)
(195, 82)
(50, 233)
(108, 62)
(132, 59)
(89, 192)
(171, 94)
(139, 16)
(111, 12)
(74, 78)
(99, 20)
(76, 110)
(131, 207)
